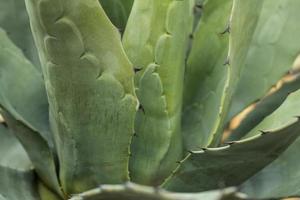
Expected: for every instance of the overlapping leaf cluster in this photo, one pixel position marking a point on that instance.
(129, 99)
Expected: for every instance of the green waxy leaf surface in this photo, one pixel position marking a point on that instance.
(206, 75)
(16, 170)
(118, 11)
(156, 40)
(232, 164)
(14, 19)
(273, 49)
(265, 107)
(25, 108)
(131, 191)
(281, 177)
(89, 82)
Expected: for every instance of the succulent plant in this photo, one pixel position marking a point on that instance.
(129, 100)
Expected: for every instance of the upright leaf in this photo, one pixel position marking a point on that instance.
(273, 50)
(205, 75)
(89, 82)
(156, 40)
(280, 178)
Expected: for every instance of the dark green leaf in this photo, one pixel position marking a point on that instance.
(118, 11)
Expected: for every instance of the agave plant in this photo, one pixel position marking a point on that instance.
(129, 100)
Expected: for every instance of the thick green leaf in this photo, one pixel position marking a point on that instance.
(243, 20)
(118, 11)
(132, 191)
(156, 41)
(274, 48)
(265, 107)
(205, 76)
(280, 178)
(24, 103)
(14, 19)
(232, 164)
(16, 170)
(89, 82)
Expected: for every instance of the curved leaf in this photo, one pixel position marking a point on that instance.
(274, 48)
(232, 164)
(132, 191)
(205, 75)
(118, 11)
(16, 171)
(280, 178)
(25, 108)
(14, 19)
(265, 107)
(156, 41)
(87, 74)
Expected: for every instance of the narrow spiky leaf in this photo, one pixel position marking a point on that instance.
(265, 107)
(230, 165)
(16, 171)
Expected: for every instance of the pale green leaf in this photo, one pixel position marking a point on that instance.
(89, 83)
(156, 40)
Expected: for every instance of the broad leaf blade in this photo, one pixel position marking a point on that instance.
(25, 108)
(280, 178)
(232, 164)
(89, 82)
(118, 11)
(156, 41)
(132, 191)
(273, 50)
(205, 75)
(14, 19)
(16, 171)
